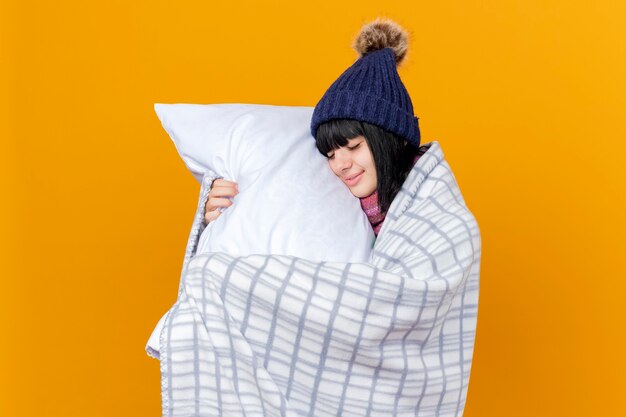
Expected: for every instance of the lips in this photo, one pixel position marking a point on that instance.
(352, 180)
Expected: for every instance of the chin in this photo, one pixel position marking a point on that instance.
(361, 192)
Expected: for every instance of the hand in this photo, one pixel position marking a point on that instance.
(219, 196)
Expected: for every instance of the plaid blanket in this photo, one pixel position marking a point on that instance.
(272, 335)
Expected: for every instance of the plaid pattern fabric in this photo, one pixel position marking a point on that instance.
(273, 335)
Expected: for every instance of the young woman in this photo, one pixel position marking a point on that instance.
(278, 335)
(364, 126)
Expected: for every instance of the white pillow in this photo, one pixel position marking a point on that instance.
(289, 201)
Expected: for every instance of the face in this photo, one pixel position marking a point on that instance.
(354, 165)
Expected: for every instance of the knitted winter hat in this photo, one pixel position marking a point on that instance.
(371, 90)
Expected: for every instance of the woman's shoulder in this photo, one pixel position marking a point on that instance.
(424, 148)
(431, 189)
(421, 151)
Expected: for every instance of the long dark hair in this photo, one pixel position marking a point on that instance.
(393, 155)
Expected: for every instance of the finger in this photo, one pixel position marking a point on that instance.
(223, 191)
(211, 216)
(214, 203)
(220, 182)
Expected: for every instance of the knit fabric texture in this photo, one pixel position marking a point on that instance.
(371, 208)
(370, 90)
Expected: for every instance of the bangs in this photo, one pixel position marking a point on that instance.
(335, 133)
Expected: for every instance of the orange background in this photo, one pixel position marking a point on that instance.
(526, 97)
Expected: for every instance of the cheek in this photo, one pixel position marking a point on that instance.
(366, 159)
(371, 170)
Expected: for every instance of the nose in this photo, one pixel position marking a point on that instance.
(341, 161)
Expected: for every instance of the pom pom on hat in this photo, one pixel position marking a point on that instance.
(382, 33)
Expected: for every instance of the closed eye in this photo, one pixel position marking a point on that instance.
(331, 156)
